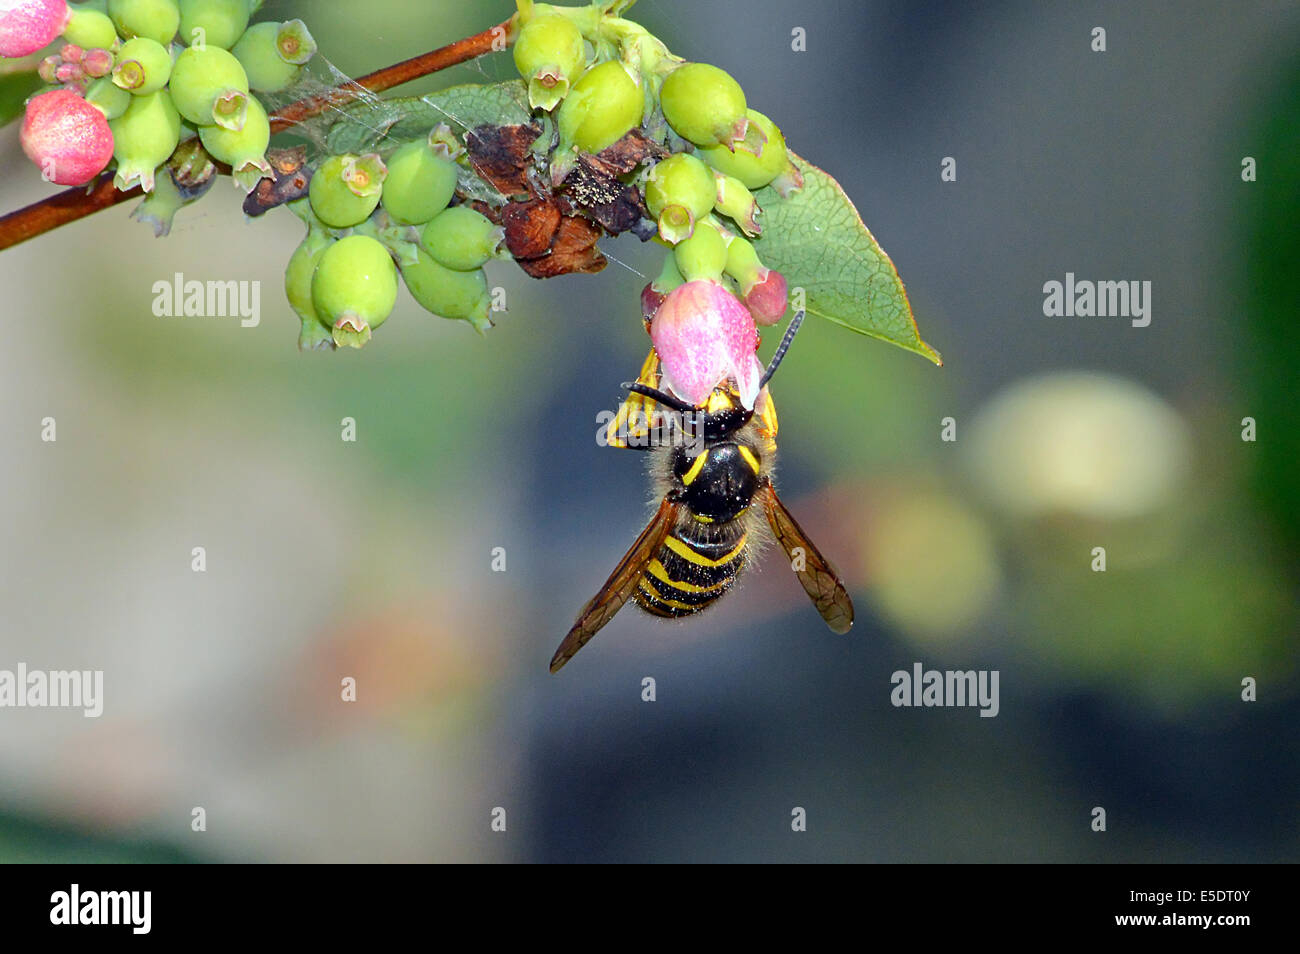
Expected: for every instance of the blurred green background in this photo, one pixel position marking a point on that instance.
(373, 559)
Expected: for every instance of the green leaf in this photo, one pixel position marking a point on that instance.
(376, 125)
(15, 88)
(816, 239)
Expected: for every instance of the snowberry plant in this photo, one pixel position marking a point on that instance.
(605, 132)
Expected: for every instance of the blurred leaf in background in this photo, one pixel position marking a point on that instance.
(16, 85)
(1270, 240)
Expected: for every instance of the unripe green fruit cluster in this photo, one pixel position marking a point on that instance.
(337, 281)
(170, 62)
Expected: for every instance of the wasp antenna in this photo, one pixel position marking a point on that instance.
(781, 349)
(667, 400)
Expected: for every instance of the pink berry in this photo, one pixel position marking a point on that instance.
(766, 301)
(704, 337)
(66, 137)
(29, 25)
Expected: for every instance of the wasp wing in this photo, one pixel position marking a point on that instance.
(620, 586)
(820, 581)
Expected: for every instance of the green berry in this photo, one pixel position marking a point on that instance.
(549, 53)
(601, 108)
(273, 54)
(111, 99)
(462, 238)
(354, 288)
(346, 189)
(143, 138)
(160, 206)
(702, 256)
(459, 296)
(244, 150)
(143, 66)
(157, 19)
(736, 201)
(314, 334)
(210, 87)
(756, 162)
(90, 29)
(420, 183)
(743, 263)
(684, 182)
(704, 104)
(213, 22)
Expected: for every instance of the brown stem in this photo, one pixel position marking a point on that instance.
(77, 203)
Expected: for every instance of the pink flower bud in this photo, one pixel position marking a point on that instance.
(704, 337)
(97, 63)
(48, 69)
(72, 53)
(28, 25)
(766, 301)
(66, 137)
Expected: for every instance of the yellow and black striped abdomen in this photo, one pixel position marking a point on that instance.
(695, 566)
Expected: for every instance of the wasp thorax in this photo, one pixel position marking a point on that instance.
(719, 482)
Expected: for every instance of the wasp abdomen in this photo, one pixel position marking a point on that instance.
(693, 568)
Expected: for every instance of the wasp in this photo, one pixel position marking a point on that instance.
(706, 528)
